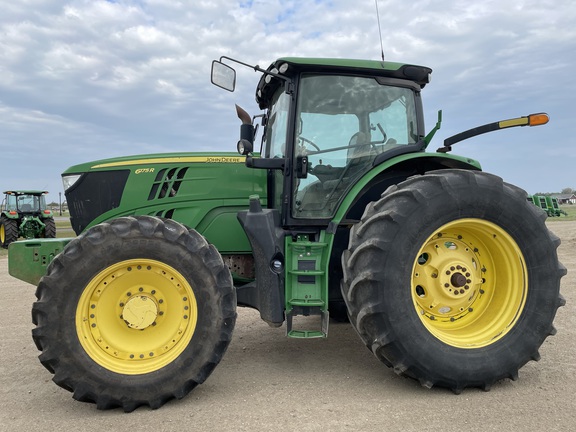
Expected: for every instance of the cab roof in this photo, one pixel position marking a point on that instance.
(291, 66)
(25, 192)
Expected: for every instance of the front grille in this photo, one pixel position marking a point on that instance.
(167, 183)
(93, 194)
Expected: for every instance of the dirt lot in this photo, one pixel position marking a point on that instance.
(267, 382)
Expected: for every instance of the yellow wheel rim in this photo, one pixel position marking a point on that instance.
(469, 283)
(136, 316)
(2, 234)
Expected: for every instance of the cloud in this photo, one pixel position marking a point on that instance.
(91, 79)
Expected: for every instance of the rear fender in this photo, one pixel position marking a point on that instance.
(10, 215)
(393, 171)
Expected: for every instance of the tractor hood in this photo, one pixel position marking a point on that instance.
(204, 191)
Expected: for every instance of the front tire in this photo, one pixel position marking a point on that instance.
(452, 278)
(134, 312)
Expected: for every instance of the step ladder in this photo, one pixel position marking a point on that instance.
(306, 285)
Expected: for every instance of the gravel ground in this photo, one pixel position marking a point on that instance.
(267, 381)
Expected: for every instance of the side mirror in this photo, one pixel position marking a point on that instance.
(223, 76)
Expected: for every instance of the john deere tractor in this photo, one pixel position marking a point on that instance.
(338, 212)
(24, 214)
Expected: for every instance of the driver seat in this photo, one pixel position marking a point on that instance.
(360, 154)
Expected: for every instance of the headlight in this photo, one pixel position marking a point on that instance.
(69, 180)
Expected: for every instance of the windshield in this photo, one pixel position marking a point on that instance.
(344, 123)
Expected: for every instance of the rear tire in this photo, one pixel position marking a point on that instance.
(8, 231)
(452, 278)
(134, 312)
(50, 228)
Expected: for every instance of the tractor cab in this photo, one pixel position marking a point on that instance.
(25, 202)
(339, 135)
(327, 123)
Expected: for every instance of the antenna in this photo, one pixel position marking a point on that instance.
(379, 29)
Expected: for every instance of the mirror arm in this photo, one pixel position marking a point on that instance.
(259, 69)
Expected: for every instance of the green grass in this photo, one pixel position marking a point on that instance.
(570, 209)
(64, 229)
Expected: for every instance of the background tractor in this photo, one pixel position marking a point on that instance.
(547, 203)
(341, 212)
(24, 214)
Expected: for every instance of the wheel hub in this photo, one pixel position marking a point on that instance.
(458, 280)
(449, 279)
(140, 312)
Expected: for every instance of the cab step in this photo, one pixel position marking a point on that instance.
(306, 285)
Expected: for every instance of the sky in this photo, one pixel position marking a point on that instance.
(83, 80)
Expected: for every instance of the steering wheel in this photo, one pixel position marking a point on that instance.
(306, 140)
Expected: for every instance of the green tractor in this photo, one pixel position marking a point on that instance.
(554, 207)
(547, 203)
(24, 214)
(340, 214)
